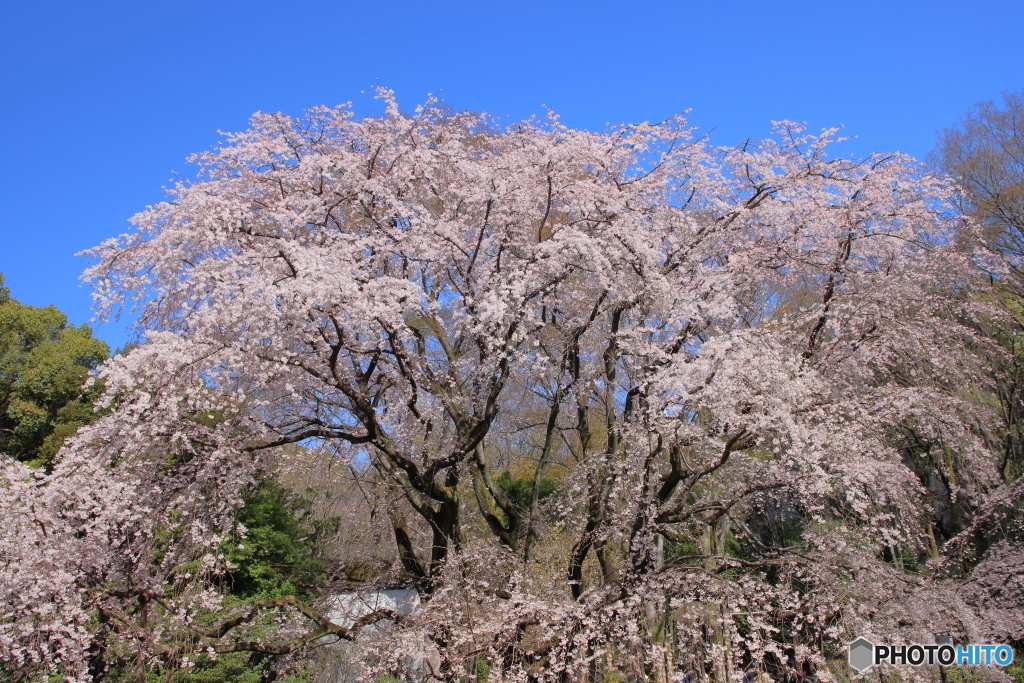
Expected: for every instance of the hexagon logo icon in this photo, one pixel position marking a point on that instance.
(862, 654)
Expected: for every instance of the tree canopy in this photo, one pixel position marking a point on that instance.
(43, 364)
(730, 377)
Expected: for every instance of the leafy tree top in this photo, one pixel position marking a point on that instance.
(44, 363)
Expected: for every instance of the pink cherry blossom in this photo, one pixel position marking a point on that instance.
(686, 339)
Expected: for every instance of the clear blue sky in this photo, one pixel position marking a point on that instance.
(101, 101)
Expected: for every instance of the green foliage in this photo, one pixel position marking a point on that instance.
(44, 363)
(519, 491)
(971, 674)
(675, 549)
(236, 667)
(278, 555)
(730, 546)
(229, 668)
(1016, 670)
